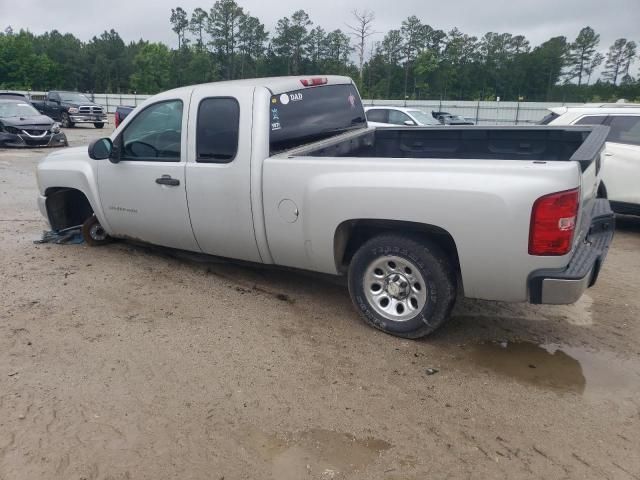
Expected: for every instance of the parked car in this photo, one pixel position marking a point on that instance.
(621, 169)
(121, 113)
(21, 125)
(70, 108)
(285, 171)
(394, 116)
(446, 118)
(15, 96)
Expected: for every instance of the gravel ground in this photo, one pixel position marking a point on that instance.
(133, 362)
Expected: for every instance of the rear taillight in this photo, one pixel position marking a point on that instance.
(553, 221)
(117, 119)
(313, 82)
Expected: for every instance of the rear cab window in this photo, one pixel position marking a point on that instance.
(310, 114)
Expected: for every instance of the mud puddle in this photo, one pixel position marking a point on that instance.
(317, 453)
(560, 368)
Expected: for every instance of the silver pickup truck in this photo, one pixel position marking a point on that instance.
(285, 171)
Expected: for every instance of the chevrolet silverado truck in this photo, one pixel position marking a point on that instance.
(286, 171)
(70, 108)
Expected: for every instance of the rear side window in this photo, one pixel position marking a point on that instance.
(592, 120)
(378, 115)
(625, 129)
(217, 130)
(310, 114)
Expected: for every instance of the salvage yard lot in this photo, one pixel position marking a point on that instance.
(131, 362)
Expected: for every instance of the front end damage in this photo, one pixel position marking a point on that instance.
(32, 136)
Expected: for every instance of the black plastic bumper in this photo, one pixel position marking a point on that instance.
(25, 141)
(567, 285)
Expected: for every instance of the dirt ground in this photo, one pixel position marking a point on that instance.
(130, 362)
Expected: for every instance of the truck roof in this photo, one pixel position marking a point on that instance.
(275, 84)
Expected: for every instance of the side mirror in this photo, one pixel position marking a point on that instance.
(410, 123)
(101, 149)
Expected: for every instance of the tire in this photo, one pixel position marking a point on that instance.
(98, 124)
(93, 233)
(408, 271)
(66, 121)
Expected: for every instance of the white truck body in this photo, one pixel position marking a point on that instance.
(301, 207)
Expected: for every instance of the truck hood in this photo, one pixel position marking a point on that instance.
(33, 121)
(72, 153)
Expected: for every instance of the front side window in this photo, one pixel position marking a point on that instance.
(592, 120)
(155, 134)
(378, 115)
(398, 118)
(217, 131)
(625, 129)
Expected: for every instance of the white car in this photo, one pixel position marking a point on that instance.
(394, 116)
(621, 169)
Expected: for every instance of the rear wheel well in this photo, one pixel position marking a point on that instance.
(67, 207)
(352, 234)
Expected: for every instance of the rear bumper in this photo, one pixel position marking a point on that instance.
(560, 287)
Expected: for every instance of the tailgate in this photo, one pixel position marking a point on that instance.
(590, 157)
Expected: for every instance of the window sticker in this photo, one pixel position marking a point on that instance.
(284, 99)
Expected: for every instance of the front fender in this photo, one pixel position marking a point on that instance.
(75, 170)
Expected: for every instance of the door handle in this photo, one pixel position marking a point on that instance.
(607, 154)
(167, 180)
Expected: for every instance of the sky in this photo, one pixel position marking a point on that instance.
(538, 20)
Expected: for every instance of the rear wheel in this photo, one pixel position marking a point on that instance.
(66, 120)
(98, 124)
(402, 285)
(93, 233)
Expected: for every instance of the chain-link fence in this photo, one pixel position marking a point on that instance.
(480, 112)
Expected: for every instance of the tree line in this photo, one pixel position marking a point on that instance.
(414, 61)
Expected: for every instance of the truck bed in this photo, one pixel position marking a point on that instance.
(581, 144)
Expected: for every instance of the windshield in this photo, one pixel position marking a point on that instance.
(17, 109)
(311, 114)
(73, 97)
(423, 117)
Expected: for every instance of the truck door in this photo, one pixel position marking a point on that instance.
(218, 171)
(144, 195)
